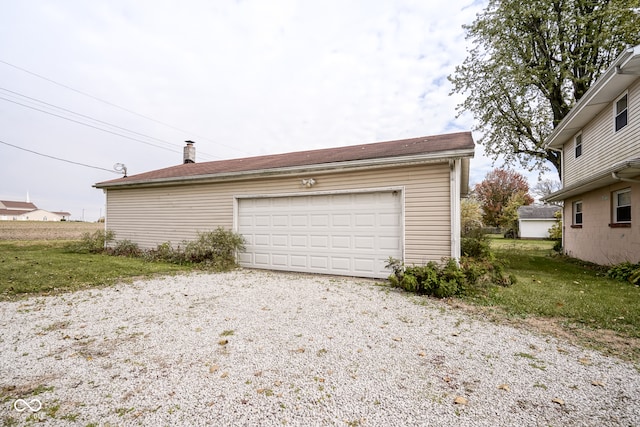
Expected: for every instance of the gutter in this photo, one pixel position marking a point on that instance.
(607, 177)
(439, 157)
(619, 178)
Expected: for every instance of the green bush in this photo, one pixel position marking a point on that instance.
(449, 278)
(164, 252)
(625, 271)
(215, 248)
(94, 243)
(475, 243)
(125, 248)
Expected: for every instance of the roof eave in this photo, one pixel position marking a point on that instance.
(440, 156)
(624, 69)
(629, 167)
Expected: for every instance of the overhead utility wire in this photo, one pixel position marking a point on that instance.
(87, 117)
(88, 125)
(58, 158)
(117, 106)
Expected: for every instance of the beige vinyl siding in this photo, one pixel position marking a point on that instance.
(602, 147)
(153, 215)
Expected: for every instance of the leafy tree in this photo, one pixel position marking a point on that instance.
(471, 214)
(509, 218)
(531, 61)
(497, 189)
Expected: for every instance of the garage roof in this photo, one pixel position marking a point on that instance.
(427, 148)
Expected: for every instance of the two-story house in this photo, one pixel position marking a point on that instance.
(600, 144)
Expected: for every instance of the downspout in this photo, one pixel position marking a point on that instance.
(564, 221)
(456, 174)
(615, 176)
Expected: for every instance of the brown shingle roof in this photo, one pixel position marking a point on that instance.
(24, 206)
(461, 141)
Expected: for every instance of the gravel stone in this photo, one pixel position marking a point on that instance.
(301, 350)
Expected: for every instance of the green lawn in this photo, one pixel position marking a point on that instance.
(566, 290)
(28, 267)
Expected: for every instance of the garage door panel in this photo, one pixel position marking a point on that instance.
(340, 242)
(319, 262)
(299, 261)
(367, 243)
(298, 220)
(341, 264)
(280, 240)
(299, 241)
(319, 242)
(261, 240)
(262, 259)
(341, 220)
(320, 220)
(351, 234)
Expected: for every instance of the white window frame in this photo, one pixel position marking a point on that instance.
(617, 113)
(616, 206)
(576, 204)
(578, 145)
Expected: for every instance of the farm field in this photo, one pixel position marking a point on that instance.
(46, 230)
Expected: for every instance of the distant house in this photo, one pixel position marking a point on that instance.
(534, 221)
(600, 144)
(341, 211)
(26, 211)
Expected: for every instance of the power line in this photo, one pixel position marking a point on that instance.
(85, 116)
(117, 106)
(58, 158)
(88, 125)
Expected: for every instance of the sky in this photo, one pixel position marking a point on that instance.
(101, 83)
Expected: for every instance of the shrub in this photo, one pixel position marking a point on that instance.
(164, 252)
(93, 243)
(475, 244)
(216, 248)
(625, 271)
(125, 248)
(448, 279)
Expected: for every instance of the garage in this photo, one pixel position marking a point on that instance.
(347, 233)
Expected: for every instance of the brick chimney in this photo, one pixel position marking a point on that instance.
(189, 152)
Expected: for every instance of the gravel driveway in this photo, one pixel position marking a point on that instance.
(261, 348)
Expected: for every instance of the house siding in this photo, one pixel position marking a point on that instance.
(596, 241)
(599, 139)
(153, 215)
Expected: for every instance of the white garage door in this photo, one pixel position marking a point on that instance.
(347, 234)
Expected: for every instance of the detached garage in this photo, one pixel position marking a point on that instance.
(338, 211)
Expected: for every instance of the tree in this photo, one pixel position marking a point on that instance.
(509, 218)
(531, 61)
(545, 187)
(496, 190)
(470, 214)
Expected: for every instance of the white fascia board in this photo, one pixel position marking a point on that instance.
(439, 157)
(606, 88)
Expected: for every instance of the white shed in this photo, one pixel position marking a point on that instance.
(534, 221)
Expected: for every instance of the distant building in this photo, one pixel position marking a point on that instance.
(26, 211)
(534, 221)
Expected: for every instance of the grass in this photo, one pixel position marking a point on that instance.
(569, 291)
(42, 267)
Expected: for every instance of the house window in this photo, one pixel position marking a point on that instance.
(578, 145)
(622, 206)
(621, 112)
(577, 213)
